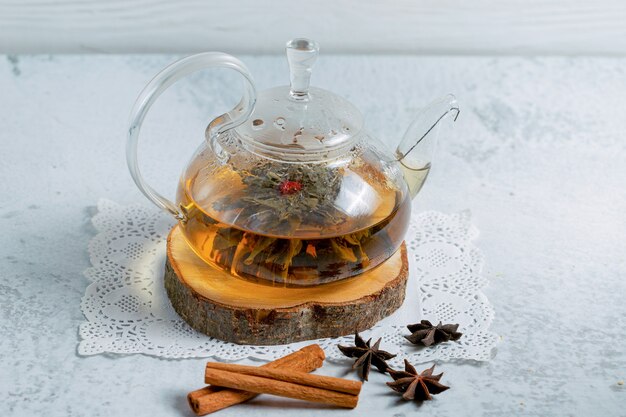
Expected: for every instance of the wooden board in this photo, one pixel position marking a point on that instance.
(233, 309)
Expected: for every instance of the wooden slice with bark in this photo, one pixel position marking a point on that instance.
(236, 310)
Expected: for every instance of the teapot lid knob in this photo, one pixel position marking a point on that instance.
(301, 54)
(301, 122)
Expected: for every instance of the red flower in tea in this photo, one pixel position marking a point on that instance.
(289, 187)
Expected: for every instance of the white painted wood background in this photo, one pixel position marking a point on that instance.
(351, 26)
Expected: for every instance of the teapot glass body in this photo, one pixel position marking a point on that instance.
(289, 188)
(294, 223)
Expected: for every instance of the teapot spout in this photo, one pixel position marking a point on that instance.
(416, 150)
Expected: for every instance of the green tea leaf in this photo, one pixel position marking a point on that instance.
(345, 252)
(313, 205)
(226, 237)
(257, 247)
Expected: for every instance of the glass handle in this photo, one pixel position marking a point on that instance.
(160, 83)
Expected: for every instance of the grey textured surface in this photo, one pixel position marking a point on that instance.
(538, 156)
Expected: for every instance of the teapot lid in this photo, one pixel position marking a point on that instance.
(299, 122)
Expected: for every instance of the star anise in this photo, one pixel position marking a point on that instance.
(415, 386)
(424, 333)
(366, 356)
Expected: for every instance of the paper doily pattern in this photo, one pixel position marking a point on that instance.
(127, 310)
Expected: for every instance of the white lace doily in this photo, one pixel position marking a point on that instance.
(127, 310)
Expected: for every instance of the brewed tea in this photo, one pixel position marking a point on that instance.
(276, 238)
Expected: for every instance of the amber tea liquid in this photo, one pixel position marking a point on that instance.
(312, 256)
(415, 177)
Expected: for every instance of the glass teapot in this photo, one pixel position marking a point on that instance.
(289, 188)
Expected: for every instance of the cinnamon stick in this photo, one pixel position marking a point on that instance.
(346, 386)
(210, 399)
(263, 385)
